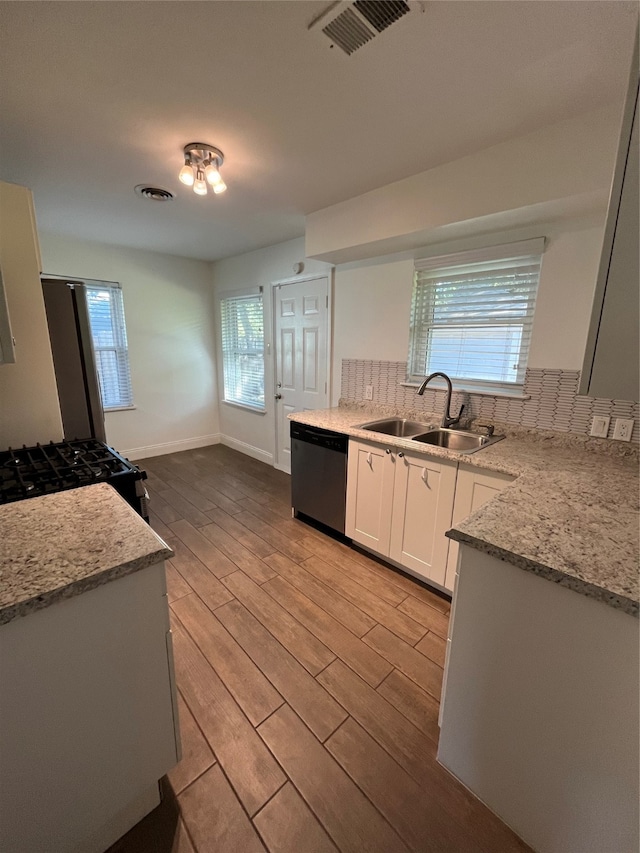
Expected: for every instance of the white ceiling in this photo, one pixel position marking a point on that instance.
(97, 97)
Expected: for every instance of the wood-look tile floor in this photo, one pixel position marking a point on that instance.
(309, 680)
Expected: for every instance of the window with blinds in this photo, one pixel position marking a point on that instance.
(109, 335)
(242, 319)
(472, 315)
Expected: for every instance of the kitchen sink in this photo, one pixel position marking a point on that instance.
(454, 439)
(400, 427)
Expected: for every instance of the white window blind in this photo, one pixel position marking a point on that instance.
(109, 335)
(472, 315)
(242, 319)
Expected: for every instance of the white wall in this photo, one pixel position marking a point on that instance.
(563, 169)
(254, 432)
(29, 409)
(169, 316)
(373, 298)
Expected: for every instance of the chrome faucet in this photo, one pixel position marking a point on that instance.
(447, 420)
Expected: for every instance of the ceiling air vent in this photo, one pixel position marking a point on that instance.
(154, 193)
(350, 25)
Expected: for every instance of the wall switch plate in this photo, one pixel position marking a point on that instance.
(600, 426)
(623, 429)
(368, 392)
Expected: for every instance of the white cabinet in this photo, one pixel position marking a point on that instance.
(29, 408)
(540, 713)
(611, 364)
(422, 506)
(20, 263)
(7, 346)
(370, 478)
(474, 487)
(400, 505)
(89, 717)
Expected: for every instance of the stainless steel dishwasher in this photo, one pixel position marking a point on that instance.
(319, 474)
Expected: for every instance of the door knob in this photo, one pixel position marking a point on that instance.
(278, 396)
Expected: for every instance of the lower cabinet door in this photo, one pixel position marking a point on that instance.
(370, 495)
(473, 489)
(422, 511)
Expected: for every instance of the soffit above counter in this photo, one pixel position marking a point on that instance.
(548, 175)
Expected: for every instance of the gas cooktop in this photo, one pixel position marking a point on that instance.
(47, 468)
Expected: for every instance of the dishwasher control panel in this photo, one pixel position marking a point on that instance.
(321, 437)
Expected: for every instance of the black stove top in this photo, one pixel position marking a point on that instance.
(54, 467)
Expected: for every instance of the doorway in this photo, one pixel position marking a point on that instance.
(301, 343)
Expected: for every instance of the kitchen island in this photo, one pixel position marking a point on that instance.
(88, 720)
(540, 707)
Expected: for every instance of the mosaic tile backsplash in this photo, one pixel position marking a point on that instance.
(554, 402)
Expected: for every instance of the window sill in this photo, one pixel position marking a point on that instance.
(480, 390)
(245, 407)
(119, 409)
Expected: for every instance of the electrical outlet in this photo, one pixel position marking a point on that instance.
(368, 392)
(600, 426)
(623, 429)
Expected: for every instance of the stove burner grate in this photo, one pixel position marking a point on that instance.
(54, 467)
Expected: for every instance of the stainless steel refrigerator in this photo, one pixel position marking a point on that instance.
(73, 358)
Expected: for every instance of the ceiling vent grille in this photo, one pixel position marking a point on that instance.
(381, 13)
(352, 25)
(154, 193)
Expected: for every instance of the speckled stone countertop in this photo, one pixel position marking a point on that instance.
(570, 516)
(61, 545)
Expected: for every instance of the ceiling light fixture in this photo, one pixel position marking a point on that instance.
(201, 166)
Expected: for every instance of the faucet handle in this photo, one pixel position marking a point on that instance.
(489, 428)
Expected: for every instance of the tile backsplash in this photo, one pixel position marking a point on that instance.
(554, 402)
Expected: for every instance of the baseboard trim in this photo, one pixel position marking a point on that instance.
(247, 449)
(171, 447)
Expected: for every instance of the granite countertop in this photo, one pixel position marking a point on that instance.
(570, 516)
(62, 544)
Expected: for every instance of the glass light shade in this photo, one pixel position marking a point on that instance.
(199, 185)
(213, 175)
(220, 188)
(186, 175)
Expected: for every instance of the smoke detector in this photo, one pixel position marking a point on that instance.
(349, 25)
(154, 193)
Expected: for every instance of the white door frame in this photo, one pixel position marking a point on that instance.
(296, 280)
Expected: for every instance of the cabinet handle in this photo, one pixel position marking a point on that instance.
(425, 476)
(369, 459)
(400, 455)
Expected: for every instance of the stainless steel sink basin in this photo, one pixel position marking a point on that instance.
(400, 427)
(455, 439)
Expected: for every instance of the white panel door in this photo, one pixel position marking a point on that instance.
(301, 313)
(370, 475)
(422, 510)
